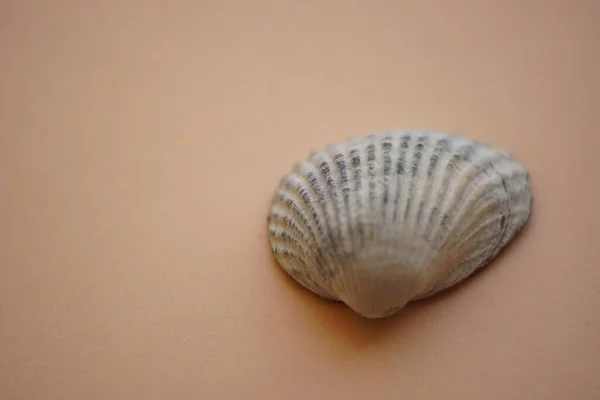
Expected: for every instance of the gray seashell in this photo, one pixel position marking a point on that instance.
(392, 218)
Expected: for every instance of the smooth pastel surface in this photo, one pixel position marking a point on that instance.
(140, 142)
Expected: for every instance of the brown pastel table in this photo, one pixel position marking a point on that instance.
(141, 141)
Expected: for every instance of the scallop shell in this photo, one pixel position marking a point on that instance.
(388, 219)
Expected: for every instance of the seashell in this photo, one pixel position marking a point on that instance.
(389, 219)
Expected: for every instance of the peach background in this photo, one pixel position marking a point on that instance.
(141, 142)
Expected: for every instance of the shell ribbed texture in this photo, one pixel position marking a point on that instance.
(381, 221)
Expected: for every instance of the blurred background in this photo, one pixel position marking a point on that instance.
(140, 144)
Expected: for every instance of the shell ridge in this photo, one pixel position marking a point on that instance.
(386, 150)
(478, 175)
(348, 176)
(319, 207)
(416, 183)
(345, 216)
(286, 193)
(360, 162)
(519, 200)
(454, 238)
(365, 210)
(280, 217)
(288, 200)
(400, 178)
(505, 218)
(344, 167)
(459, 247)
(474, 261)
(372, 178)
(414, 157)
(378, 189)
(413, 257)
(389, 227)
(451, 195)
(314, 198)
(477, 194)
(421, 185)
(328, 172)
(282, 234)
(466, 181)
(296, 191)
(324, 185)
(356, 200)
(443, 180)
(318, 203)
(427, 195)
(448, 224)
